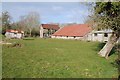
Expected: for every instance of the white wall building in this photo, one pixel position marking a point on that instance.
(14, 34)
(101, 36)
(82, 32)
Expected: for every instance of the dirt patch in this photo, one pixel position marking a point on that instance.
(2, 42)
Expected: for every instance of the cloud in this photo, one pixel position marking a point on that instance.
(69, 16)
(57, 8)
(56, 12)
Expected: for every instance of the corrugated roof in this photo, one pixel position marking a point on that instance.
(74, 30)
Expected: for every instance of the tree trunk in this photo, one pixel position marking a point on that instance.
(104, 52)
(30, 32)
(41, 32)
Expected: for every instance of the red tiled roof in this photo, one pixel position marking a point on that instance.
(51, 26)
(15, 31)
(74, 30)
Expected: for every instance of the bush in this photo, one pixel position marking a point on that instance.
(28, 38)
(35, 32)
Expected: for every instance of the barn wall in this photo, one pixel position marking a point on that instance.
(19, 35)
(100, 37)
(65, 37)
(13, 35)
(89, 37)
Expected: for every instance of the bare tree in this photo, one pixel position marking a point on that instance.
(31, 21)
(21, 24)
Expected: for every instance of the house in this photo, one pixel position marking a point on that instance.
(46, 30)
(14, 34)
(75, 31)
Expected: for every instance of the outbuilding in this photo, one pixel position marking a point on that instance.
(76, 31)
(14, 34)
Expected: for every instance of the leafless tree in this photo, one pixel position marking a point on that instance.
(30, 21)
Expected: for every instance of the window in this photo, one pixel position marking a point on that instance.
(95, 34)
(105, 35)
(74, 36)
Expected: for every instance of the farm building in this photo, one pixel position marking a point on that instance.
(101, 36)
(46, 30)
(82, 32)
(14, 34)
(76, 31)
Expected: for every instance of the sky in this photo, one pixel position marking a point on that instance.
(52, 0)
(50, 12)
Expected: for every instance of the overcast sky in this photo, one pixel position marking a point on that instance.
(50, 12)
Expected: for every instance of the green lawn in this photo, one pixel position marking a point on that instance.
(52, 58)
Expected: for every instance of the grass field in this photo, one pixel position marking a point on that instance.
(52, 58)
